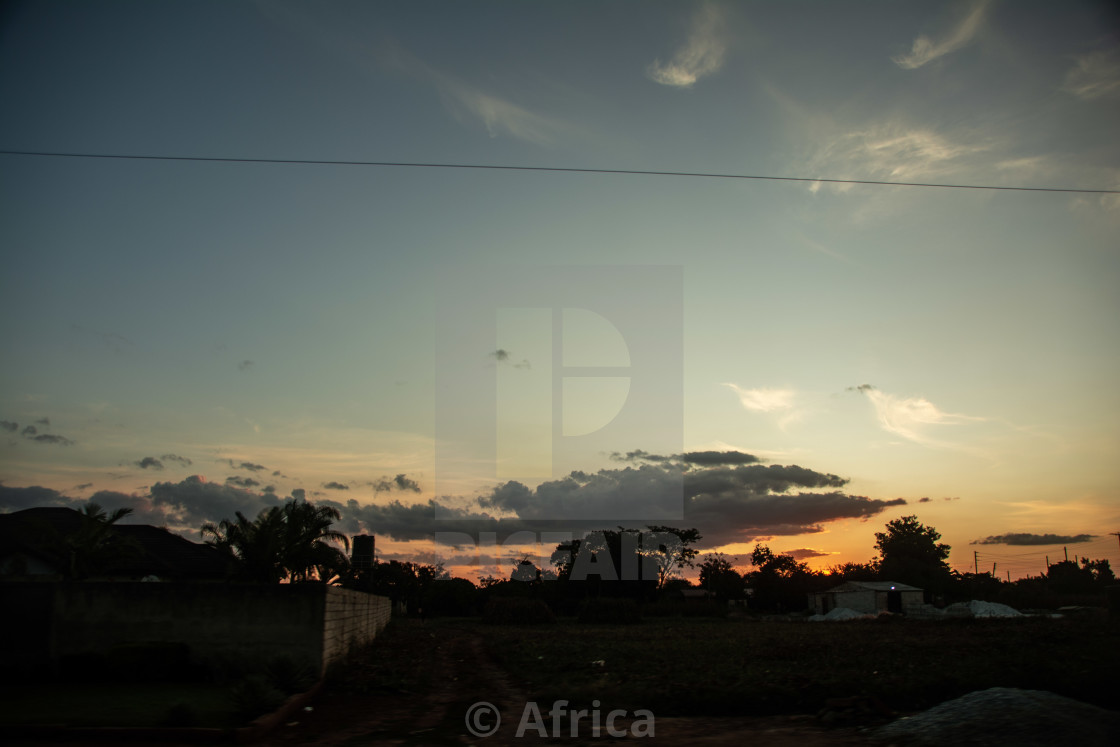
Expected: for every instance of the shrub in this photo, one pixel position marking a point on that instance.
(290, 676)
(255, 695)
(517, 611)
(609, 610)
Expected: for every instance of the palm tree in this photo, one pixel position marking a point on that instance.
(95, 547)
(310, 552)
(293, 542)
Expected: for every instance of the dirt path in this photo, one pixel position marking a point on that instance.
(463, 674)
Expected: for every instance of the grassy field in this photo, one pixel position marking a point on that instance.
(678, 666)
(693, 667)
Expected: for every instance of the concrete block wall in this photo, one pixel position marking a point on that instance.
(351, 618)
(45, 622)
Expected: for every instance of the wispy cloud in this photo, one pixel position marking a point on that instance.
(702, 53)
(500, 116)
(911, 417)
(1094, 76)
(894, 151)
(926, 49)
(763, 400)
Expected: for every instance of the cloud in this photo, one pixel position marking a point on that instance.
(701, 55)
(335, 486)
(802, 553)
(727, 503)
(502, 356)
(763, 400)
(250, 466)
(926, 50)
(724, 496)
(149, 463)
(29, 431)
(47, 438)
(1094, 76)
(1026, 538)
(400, 482)
(244, 365)
(689, 458)
(9, 426)
(709, 458)
(910, 417)
(892, 151)
(194, 501)
(43, 421)
(177, 459)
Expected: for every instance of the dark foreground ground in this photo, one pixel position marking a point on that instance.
(705, 681)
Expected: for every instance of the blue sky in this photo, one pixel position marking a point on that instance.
(949, 344)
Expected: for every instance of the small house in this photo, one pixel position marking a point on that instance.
(869, 597)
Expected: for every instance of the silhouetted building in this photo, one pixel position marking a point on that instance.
(362, 552)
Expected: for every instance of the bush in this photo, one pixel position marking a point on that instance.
(290, 676)
(255, 696)
(517, 611)
(609, 610)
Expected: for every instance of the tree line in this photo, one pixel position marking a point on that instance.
(296, 543)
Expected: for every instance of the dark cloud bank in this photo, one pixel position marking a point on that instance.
(1026, 538)
(728, 496)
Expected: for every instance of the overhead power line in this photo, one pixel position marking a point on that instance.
(497, 167)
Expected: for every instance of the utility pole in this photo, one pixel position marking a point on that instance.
(993, 570)
(1066, 551)
(975, 563)
(1009, 577)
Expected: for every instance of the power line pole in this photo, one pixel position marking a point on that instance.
(975, 563)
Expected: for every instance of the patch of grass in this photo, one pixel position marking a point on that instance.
(723, 667)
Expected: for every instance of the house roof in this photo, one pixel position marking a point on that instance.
(39, 531)
(873, 586)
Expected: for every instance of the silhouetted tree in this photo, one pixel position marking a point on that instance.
(719, 577)
(94, 548)
(294, 542)
(909, 552)
(779, 582)
(853, 572)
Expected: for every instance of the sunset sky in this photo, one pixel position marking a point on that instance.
(191, 338)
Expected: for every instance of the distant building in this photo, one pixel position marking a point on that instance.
(34, 546)
(869, 597)
(362, 552)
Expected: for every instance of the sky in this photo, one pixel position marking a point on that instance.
(791, 362)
